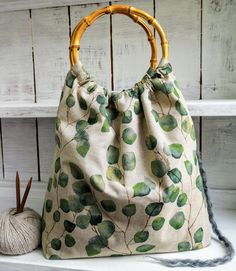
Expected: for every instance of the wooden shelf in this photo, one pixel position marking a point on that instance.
(36, 261)
(49, 110)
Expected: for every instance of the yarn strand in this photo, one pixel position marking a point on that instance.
(228, 245)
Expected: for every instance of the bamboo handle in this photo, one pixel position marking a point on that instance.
(131, 12)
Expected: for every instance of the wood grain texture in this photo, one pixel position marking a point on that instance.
(46, 137)
(219, 156)
(50, 28)
(16, 69)
(131, 50)
(19, 148)
(95, 44)
(181, 21)
(219, 49)
(10, 5)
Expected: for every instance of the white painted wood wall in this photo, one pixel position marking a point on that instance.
(34, 40)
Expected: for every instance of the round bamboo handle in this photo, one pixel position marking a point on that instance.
(131, 12)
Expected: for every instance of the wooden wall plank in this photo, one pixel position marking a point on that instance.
(10, 5)
(219, 156)
(181, 22)
(131, 50)
(219, 49)
(46, 136)
(50, 28)
(19, 148)
(16, 69)
(95, 44)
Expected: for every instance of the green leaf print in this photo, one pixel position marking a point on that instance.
(141, 236)
(64, 205)
(150, 183)
(128, 161)
(76, 171)
(63, 179)
(158, 223)
(141, 189)
(106, 229)
(186, 125)
(176, 150)
(83, 104)
(158, 168)
(97, 182)
(74, 204)
(101, 99)
(108, 205)
(199, 183)
(127, 116)
(168, 123)
(177, 221)
(69, 79)
(80, 187)
(112, 155)
(184, 246)
(193, 133)
(129, 136)
(105, 127)
(96, 215)
(54, 181)
(49, 186)
(54, 257)
(70, 100)
(113, 174)
(144, 248)
(81, 125)
(182, 199)
(57, 164)
(151, 142)
(170, 193)
(48, 205)
(154, 208)
(82, 221)
(69, 240)
(87, 199)
(180, 108)
(93, 116)
(95, 244)
(138, 107)
(56, 216)
(83, 147)
(189, 167)
(56, 244)
(129, 210)
(92, 88)
(155, 115)
(69, 226)
(175, 175)
(198, 235)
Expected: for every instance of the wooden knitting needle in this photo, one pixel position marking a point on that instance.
(17, 192)
(25, 195)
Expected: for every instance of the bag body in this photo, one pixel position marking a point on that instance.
(125, 176)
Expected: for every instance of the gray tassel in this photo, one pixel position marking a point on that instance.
(228, 245)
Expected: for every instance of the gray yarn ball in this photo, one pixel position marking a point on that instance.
(19, 233)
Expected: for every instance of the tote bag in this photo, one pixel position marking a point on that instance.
(126, 176)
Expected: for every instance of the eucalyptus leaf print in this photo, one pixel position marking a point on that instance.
(57, 164)
(74, 203)
(141, 189)
(145, 248)
(151, 142)
(127, 116)
(70, 100)
(95, 215)
(199, 183)
(182, 199)
(105, 127)
(76, 171)
(128, 161)
(64, 205)
(70, 79)
(180, 108)
(186, 125)
(154, 208)
(83, 104)
(49, 204)
(184, 246)
(129, 136)
(159, 168)
(156, 115)
(168, 123)
(108, 205)
(112, 154)
(158, 223)
(97, 182)
(177, 221)
(113, 174)
(176, 150)
(170, 193)
(63, 179)
(198, 235)
(175, 175)
(93, 116)
(92, 88)
(56, 244)
(82, 221)
(141, 236)
(129, 210)
(138, 107)
(69, 226)
(106, 228)
(189, 167)
(69, 240)
(56, 216)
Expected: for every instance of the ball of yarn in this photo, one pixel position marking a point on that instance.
(19, 233)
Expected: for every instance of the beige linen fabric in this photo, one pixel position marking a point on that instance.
(125, 176)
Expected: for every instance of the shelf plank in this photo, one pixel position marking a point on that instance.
(48, 110)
